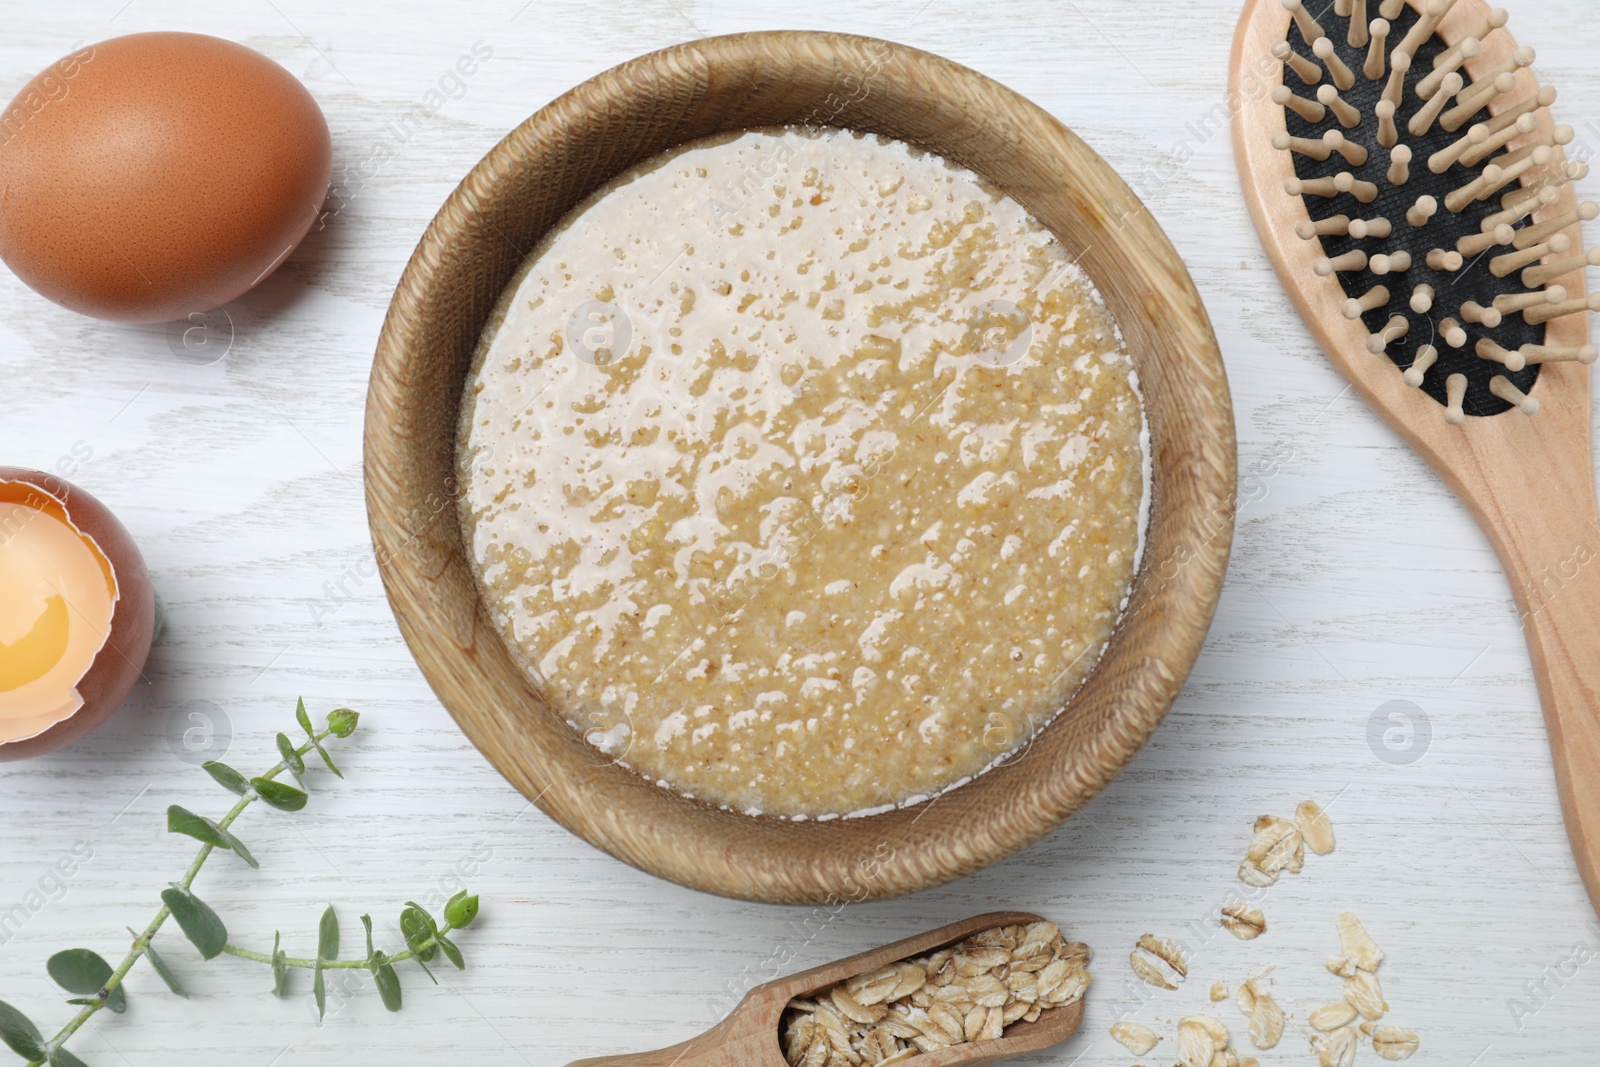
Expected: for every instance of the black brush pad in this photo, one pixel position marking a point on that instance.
(1472, 282)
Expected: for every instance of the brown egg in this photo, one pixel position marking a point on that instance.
(77, 616)
(156, 175)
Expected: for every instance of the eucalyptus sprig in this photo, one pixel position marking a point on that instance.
(96, 985)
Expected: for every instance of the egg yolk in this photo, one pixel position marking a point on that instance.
(58, 592)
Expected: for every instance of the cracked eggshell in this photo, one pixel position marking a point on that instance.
(118, 652)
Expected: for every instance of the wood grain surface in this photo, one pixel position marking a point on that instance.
(1367, 648)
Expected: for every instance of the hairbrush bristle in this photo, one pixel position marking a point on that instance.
(1455, 391)
(1469, 49)
(1402, 125)
(1513, 303)
(1491, 350)
(1496, 19)
(1505, 266)
(1584, 354)
(1360, 31)
(1377, 49)
(1424, 119)
(1474, 312)
(1310, 110)
(1348, 116)
(1501, 387)
(1476, 244)
(1581, 305)
(1478, 97)
(1399, 165)
(1534, 277)
(1376, 297)
(1397, 327)
(1342, 75)
(1587, 211)
(1433, 13)
(1307, 71)
(1453, 334)
(1413, 375)
(1309, 27)
(1377, 226)
(1424, 209)
(1390, 263)
(1447, 262)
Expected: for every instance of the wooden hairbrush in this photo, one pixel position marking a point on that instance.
(1408, 182)
(749, 1036)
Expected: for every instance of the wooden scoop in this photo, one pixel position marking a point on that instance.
(749, 1036)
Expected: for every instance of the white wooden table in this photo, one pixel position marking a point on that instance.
(1356, 581)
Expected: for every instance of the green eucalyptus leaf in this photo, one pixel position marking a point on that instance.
(319, 989)
(460, 910)
(81, 971)
(427, 917)
(19, 1033)
(60, 1057)
(280, 796)
(387, 981)
(227, 777)
(161, 968)
(302, 718)
(342, 721)
(453, 954)
(366, 920)
(198, 922)
(418, 961)
(418, 930)
(291, 758)
(327, 759)
(328, 935)
(280, 970)
(181, 820)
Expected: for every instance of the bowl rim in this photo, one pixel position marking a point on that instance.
(442, 301)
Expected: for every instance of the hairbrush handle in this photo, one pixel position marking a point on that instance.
(1548, 536)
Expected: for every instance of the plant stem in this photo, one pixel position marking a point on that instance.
(329, 965)
(139, 943)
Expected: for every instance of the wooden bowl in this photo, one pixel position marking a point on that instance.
(643, 107)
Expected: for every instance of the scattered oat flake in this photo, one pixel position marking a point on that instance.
(1357, 944)
(1158, 961)
(1151, 972)
(1244, 921)
(1198, 1040)
(1135, 1037)
(1394, 1042)
(1365, 995)
(1336, 1049)
(1314, 826)
(1219, 989)
(1266, 1021)
(1332, 1016)
(1249, 990)
(1276, 845)
(1255, 877)
(1164, 950)
(1343, 966)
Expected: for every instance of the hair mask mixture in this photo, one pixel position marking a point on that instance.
(803, 472)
